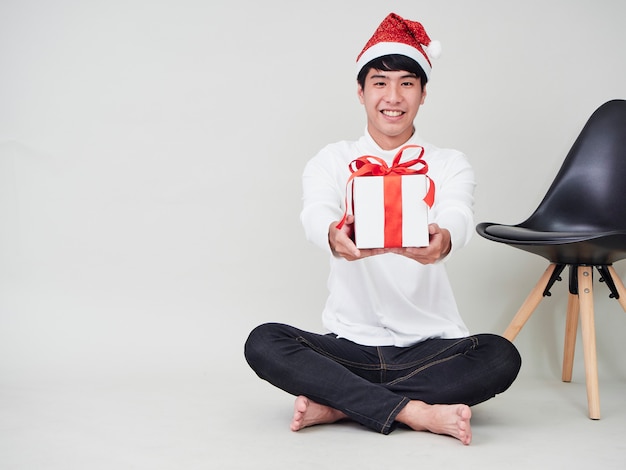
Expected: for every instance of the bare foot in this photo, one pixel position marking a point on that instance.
(308, 413)
(452, 420)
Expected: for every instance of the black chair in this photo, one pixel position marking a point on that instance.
(580, 224)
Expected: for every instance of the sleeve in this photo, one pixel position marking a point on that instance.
(322, 197)
(454, 200)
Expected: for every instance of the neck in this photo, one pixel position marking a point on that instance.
(390, 142)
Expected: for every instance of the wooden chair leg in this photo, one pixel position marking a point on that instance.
(585, 295)
(619, 286)
(571, 328)
(529, 305)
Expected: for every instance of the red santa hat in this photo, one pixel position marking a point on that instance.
(395, 35)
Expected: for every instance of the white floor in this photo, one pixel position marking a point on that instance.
(196, 421)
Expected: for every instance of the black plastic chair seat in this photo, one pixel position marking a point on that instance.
(527, 235)
(571, 247)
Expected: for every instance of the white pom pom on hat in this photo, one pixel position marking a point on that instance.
(395, 35)
(434, 49)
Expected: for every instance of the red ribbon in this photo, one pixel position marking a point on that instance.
(369, 165)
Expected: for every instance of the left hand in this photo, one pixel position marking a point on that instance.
(439, 246)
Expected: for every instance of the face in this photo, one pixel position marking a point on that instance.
(391, 101)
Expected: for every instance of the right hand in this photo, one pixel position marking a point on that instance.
(342, 245)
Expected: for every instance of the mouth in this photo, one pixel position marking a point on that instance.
(392, 113)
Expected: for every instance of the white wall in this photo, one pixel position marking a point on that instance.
(151, 152)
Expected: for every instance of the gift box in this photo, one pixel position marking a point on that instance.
(390, 203)
(389, 211)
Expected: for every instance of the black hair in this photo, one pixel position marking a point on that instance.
(392, 62)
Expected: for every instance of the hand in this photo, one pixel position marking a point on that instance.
(439, 246)
(341, 244)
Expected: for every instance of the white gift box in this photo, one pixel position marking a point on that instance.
(385, 220)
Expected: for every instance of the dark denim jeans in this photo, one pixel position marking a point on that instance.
(371, 384)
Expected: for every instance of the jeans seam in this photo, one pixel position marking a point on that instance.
(421, 369)
(427, 359)
(430, 364)
(339, 360)
(383, 365)
(394, 413)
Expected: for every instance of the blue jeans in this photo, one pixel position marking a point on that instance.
(371, 384)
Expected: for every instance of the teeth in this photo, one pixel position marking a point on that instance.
(392, 113)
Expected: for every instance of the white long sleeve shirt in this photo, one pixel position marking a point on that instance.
(389, 299)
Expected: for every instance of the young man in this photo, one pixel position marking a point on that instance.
(397, 350)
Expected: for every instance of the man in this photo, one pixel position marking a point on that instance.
(397, 350)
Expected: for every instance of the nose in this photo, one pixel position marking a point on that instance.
(393, 93)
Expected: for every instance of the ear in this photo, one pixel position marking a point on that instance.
(359, 92)
(424, 93)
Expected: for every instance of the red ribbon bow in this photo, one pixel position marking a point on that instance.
(369, 165)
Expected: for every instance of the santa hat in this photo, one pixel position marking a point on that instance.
(395, 35)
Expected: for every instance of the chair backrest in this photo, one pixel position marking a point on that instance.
(589, 192)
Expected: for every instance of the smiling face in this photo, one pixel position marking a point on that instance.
(391, 101)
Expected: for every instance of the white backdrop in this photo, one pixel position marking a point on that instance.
(151, 153)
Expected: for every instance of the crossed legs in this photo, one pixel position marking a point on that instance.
(429, 386)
